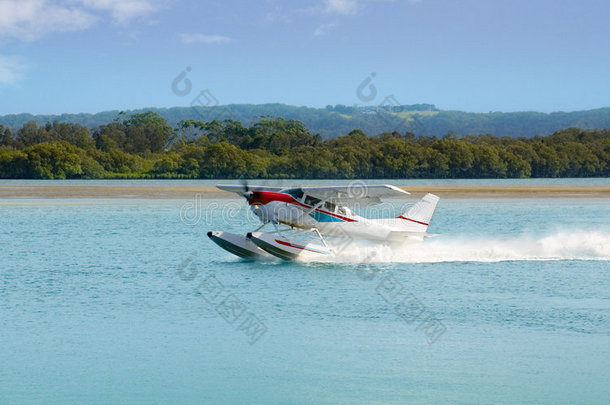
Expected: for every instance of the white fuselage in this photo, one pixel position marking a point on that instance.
(340, 222)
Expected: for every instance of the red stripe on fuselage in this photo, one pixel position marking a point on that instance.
(412, 220)
(336, 216)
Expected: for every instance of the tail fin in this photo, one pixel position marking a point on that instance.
(421, 212)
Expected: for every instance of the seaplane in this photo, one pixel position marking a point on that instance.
(307, 223)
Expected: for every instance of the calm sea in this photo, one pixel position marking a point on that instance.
(127, 301)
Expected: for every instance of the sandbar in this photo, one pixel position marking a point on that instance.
(211, 192)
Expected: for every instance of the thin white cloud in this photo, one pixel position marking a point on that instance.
(395, 1)
(324, 29)
(11, 69)
(27, 20)
(273, 17)
(123, 10)
(344, 7)
(322, 8)
(204, 39)
(351, 7)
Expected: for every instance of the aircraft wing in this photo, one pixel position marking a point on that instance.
(361, 194)
(239, 189)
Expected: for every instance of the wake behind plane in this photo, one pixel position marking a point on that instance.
(318, 222)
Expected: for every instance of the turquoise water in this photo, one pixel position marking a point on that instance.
(121, 301)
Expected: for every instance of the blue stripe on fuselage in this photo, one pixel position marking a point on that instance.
(323, 217)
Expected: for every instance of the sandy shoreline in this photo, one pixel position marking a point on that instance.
(186, 192)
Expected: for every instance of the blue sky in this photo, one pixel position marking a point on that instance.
(473, 55)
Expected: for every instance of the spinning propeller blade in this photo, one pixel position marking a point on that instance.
(247, 193)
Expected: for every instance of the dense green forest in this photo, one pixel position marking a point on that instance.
(333, 121)
(144, 145)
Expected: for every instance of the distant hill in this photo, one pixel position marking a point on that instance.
(332, 121)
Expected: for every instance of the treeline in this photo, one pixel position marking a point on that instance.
(145, 146)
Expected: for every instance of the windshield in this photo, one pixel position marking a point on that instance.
(297, 193)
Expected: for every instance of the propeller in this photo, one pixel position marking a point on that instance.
(247, 193)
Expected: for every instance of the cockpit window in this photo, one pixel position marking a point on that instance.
(297, 193)
(309, 200)
(330, 207)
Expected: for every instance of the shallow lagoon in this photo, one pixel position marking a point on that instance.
(109, 301)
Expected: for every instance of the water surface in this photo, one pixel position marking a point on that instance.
(111, 302)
